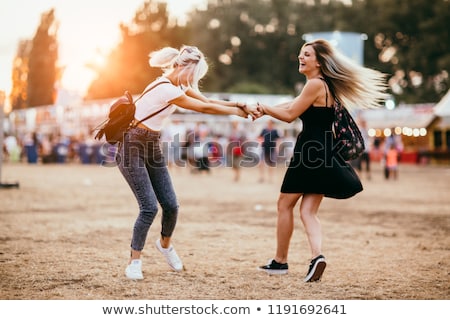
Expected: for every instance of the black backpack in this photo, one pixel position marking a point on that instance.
(121, 117)
(347, 133)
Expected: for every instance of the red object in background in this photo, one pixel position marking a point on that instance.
(408, 157)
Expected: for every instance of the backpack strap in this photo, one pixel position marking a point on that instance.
(154, 113)
(326, 91)
(150, 89)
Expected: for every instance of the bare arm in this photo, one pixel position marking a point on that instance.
(284, 105)
(197, 95)
(289, 111)
(199, 105)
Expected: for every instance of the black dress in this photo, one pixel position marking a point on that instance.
(315, 167)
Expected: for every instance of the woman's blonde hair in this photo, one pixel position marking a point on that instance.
(354, 85)
(189, 58)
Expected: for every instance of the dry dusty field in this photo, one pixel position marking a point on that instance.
(65, 233)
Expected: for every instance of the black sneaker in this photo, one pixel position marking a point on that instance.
(273, 267)
(316, 268)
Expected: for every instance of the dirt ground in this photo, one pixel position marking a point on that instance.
(65, 234)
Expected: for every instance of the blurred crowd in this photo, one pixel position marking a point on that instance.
(35, 147)
(197, 147)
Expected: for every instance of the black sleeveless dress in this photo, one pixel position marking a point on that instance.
(314, 166)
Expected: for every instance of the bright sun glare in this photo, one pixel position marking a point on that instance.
(179, 8)
(87, 33)
(76, 75)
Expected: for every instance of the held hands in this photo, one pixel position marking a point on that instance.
(241, 110)
(261, 109)
(255, 111)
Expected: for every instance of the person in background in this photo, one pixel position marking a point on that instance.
(236, 149)
(269, 152)
(31, 147)
(391, 140)
(363, 162)
(201, 149)
(315, 171)
(392, 156)
(11, 148)
(140, 159)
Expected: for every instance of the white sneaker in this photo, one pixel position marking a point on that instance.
(171, 256)
(134, 270)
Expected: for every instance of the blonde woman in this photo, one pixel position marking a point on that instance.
(140, 159)
(316, 170)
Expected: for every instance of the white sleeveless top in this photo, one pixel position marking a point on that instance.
(156, 99)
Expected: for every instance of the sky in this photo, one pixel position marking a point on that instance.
(87, 29)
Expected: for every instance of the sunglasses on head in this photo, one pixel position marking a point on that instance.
(189, 49)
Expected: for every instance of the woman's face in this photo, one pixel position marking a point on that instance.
(307, 60)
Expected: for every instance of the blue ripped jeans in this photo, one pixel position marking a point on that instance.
(142, 164)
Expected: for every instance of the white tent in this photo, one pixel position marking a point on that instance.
(410, 116)
(442, 108)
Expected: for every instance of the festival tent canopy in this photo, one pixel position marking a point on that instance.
(442, 108)
(407, 116)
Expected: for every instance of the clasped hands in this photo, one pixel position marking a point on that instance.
(255, 111)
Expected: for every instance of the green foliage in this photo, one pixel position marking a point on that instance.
(250, 87)
(127, 66)
(252, 46)
(418, 32)
(40, 57)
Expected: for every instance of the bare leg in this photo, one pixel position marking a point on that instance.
(165, 242)
(285, 224)
(136, 255)
(308, 214)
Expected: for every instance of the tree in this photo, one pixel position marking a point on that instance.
(35, 70)
(406, 39)
(247, 45)
(411, 44)
(42, 62)
(252, 46)
(19, 91)
(127, 65)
